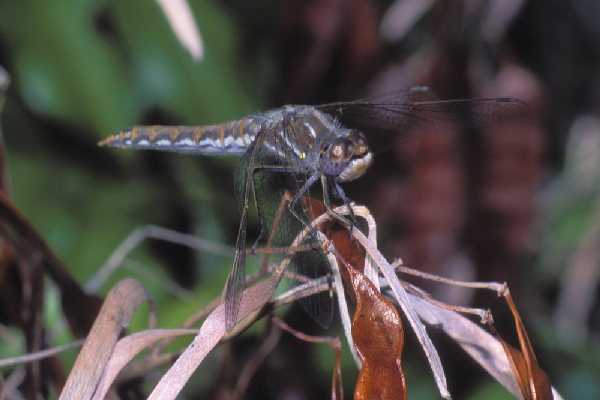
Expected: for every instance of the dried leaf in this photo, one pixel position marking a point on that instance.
(211, 332)
(532, 380)
(181, 20)
(349, 249)
(379, 338)
(127, 348)
(116, 313)
(405, 303)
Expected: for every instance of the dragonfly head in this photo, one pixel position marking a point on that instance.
(347, 157)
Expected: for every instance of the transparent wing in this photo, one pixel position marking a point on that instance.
(237, 275)
(416, 109)
(308, 266)
(237, 278)
(414, 94)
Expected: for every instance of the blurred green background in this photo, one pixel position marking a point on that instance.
(83, 70)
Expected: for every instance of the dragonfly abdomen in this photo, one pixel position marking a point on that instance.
(232, 137)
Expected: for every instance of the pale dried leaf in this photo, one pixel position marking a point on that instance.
(116, 313)
(211, 332)
(184, 26)
(127, 348)
(478, 343)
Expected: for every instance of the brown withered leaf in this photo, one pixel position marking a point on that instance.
(376, 328)
(533, 381)
(349, 249)
(379, 338)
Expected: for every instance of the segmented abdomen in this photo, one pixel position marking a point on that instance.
(228, 138)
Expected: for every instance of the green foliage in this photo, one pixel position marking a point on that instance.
(82, 70)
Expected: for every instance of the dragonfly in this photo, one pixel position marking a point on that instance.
(290, 149)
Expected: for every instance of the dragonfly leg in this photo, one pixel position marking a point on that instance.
(342, 195)
(298, 195)
(346, 201)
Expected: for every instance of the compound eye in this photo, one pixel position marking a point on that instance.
(359, 140)
(337, 156)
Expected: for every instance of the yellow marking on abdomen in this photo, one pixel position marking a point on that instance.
(198, 135)
(222, 135)
(133, 135)
(173, 136)
(152, 134)
(242, 131)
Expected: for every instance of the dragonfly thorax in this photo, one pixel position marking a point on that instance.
(317, 142)
(324, 144)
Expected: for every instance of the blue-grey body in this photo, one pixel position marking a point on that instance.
(285, 151)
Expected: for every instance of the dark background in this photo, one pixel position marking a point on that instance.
(516, 202)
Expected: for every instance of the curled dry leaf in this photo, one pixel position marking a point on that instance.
(533, 381)
(379, 338)
(401, 296)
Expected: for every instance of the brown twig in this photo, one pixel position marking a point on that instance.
(257, 359)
